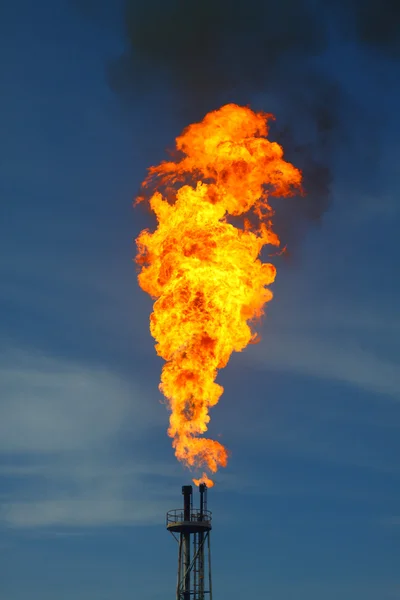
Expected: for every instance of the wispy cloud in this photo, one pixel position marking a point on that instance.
(61, 425)
(327, 358)
(84, 512)
(51, 405)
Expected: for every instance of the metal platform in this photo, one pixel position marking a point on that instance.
(198, 521)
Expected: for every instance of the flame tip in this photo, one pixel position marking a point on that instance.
(204, 479)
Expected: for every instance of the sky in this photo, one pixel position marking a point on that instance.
(308, 506)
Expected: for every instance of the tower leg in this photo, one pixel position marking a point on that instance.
(209, 565)
(201, 566)
(178, 584)
(186, 565)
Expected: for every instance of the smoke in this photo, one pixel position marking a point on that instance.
(376, 23)
(265, 53)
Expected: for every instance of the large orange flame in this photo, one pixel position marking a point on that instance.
(205, 273)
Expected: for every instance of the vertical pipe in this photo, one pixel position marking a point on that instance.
(186, 565)
(202, 488)
(203, 495)
(187, 495)
(209, 565)
(195, 567)
(178, 585)
(187, 491)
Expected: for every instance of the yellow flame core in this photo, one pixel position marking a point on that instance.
(204, 272)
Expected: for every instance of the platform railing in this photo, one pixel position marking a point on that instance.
(177, 516)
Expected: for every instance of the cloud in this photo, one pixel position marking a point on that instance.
(52, 405)
(317, 329)
(334, 359)
(88, 512)
(85, 490)
(63, 431)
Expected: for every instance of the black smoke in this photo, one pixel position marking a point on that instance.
(263, 53)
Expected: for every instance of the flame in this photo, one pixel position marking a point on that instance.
(204, 273)
(204, 479)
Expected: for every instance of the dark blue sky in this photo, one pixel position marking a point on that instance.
(309, 504)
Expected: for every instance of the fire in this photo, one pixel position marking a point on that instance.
(204, 272)
(204, 479)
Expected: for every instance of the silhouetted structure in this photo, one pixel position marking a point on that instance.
(191, 528)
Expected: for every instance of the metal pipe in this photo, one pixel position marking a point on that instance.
(178, 584)
(186, 565)
(187, 491)
(209, 566)
(202, 488)
(203, 501)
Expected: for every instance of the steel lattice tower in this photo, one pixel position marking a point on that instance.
(193, 527)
